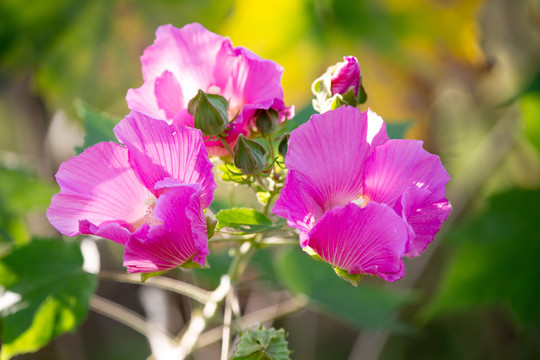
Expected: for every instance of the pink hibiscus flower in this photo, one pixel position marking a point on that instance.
(360, 200)
(182, 61)
(148, 195)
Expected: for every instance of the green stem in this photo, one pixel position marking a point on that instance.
(226, 145)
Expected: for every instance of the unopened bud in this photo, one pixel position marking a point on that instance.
(283, 145)
(210, 113)
(341, 84)
(266, 121)
(249, 156)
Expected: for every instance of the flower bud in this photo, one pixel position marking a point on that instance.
(344, 76)
(210, 113)
(266, 121)
(249, 156)
(283, 145)
(341, 84)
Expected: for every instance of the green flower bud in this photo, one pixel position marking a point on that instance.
(210, 113)
(249, 156)
(283, 145)
(266, 121)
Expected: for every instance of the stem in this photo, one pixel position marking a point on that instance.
(266, 314)
(226, 145)
(271, 145)
(175, 286)
(125, 316)
(227, 319)
(198, 322)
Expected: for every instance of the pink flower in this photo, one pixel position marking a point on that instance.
(360, 200)
(182, 61)
(148, 195)
(345, 75)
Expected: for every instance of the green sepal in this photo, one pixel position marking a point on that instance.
(190, 264)
(353, 279)
(146, 276)
(210, 227)
(313, 254)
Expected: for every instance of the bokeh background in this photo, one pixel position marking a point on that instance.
(462, 75)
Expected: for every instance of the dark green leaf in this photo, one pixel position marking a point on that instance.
(496, 261)
(242, 220)
(364, 306)
(51, 292)
(98, 126)
(262, 344)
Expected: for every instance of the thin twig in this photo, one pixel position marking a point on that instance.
(175, 286)
(266, 314)
(124, 316)
(227, 319)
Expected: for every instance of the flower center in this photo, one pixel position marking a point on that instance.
(149, 217)
(361, 201)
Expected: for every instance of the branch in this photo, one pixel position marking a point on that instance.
(175, 286)
(125, 316)
(266, 314)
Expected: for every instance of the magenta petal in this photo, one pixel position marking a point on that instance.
(158, 150)
(100, 187)
(424, 213)
(329, 151)
(179, 238)
(345, 75)
(398, 165)
(144, 101)
(168, 94)
(296, 203)
(190, 53)
(369, 240)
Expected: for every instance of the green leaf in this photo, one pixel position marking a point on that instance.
(496, 261)
(98, 126)
(364, 306)
(396, 130)
(242, 221)
(21, 192)
(530, 109)
(262, 344)
(51, 293)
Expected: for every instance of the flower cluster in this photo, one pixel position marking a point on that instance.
(360, 201)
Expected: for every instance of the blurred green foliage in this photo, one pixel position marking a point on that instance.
(51, 290)
(496, 260)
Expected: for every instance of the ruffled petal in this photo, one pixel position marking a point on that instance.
(398, 165)
(329, 151)
(143, 100)
(158, 150)
(297, 204)
(424, 213)
(179, 238)
(98, 187)
(369, 240)
(190, 53)
(168, 94)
